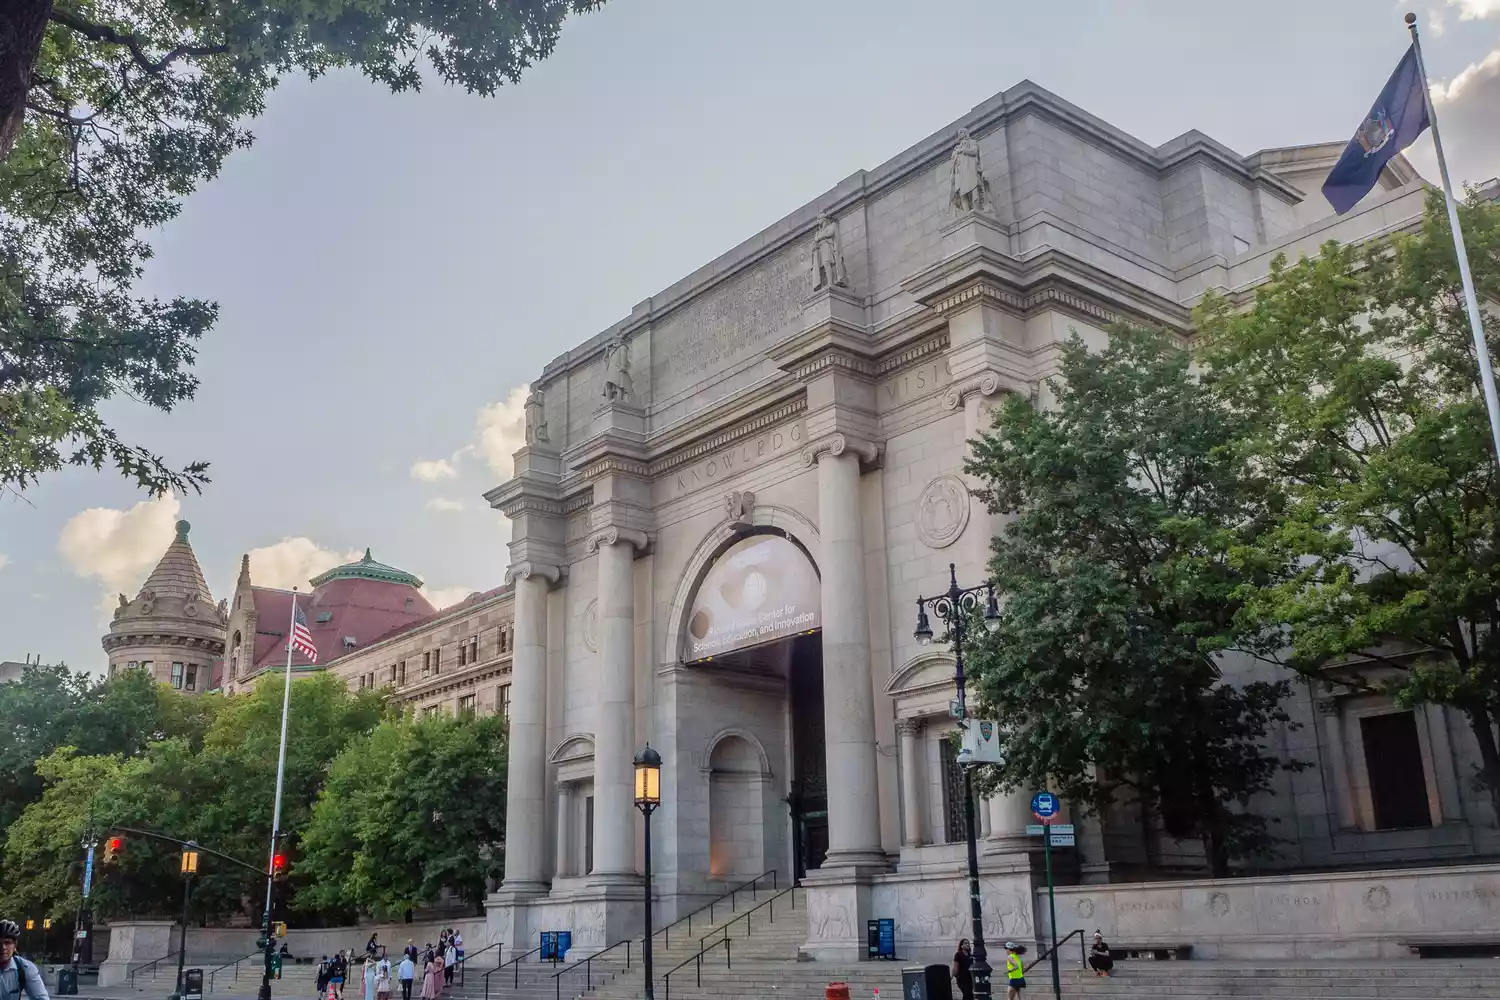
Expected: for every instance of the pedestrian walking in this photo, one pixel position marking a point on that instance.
(367, 977)
(324, 974)
(339, 971)
(963, 958)
(458, 947)
(432, 978)
(406, 972)
(450, 963)
(383, 979)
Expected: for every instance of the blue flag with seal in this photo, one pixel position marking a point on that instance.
(1397, 118)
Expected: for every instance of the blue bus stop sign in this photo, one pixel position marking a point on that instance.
(1045, 805)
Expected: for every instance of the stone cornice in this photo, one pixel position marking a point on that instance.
(526, 570)
(912, 353)
(617, 465)
(837, 444)
(530, 503)
(124, 640)
(614, 535)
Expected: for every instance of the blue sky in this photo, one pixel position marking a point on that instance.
(390, 268)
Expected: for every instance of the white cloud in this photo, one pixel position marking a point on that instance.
(4, 560)
(1475, 10)
(444, 505)
(431, 470)
(1436, 25)
(446, 597)
(1466, 107)
(292, 562)
(119, 547)
(500, 430)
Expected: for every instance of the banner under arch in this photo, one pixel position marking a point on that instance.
(761, 589)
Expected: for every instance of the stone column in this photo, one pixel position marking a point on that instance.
(1338, 758)
(614, 726)
(911, 779)
(564, 865)
(848, 691)
(526, 783)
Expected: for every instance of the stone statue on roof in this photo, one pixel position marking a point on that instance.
(536, 418)
(617, 383)
(968, 191)
(828, 254)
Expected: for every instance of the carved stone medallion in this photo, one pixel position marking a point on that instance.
(942, 512)
(591, 627)
(1378, 898)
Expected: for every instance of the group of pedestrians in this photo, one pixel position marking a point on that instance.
(1100, 960)
(377, 976)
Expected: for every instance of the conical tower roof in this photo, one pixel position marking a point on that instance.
(178, 573)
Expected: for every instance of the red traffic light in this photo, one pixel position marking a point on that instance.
(112, 848)
(278, 865)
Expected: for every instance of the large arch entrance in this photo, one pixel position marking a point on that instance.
(754, 628)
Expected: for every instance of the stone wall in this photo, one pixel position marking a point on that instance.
(1353, 915)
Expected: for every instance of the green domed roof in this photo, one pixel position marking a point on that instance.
(367, 569)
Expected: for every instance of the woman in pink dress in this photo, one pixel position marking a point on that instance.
(432, 978)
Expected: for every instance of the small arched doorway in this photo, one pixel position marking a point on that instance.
(738, 782)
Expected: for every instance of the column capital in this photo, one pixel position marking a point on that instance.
(528, 569)
(986, 382)
(836, 444)
(911, 727)
(614, 535)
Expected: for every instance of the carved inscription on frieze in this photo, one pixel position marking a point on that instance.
(732, 459)
(727, 323)
(914, 383)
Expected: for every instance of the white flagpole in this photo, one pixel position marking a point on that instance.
(286, 700)
(1471, 300)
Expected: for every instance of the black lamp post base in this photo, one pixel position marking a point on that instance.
(979, 972)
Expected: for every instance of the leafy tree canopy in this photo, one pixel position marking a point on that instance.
(416, 806)
(1357, 373)
(110, 114)
(1136, 534)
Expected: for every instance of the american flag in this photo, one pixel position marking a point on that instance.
(302, 640)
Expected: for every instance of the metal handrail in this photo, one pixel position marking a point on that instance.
(130, 978)
(462, 962)
(746, 915)
(1082, 948)
(709, 906)
(588, 967)
(516, 983)
(666, 981)
(235, 965)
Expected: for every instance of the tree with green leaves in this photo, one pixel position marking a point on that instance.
(215, 786)
(1137, 527)
(53, 707)
(415, 807)
(1357, 372)
(110, 114)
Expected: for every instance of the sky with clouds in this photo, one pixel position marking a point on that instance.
(393, 269)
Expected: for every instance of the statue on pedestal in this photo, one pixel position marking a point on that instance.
(828, 254)
(617, 384)
(536, 418)
(968, 190)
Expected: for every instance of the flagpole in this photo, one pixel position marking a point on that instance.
(286, 701)
(1471, 299)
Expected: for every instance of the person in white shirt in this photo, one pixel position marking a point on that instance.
(406, 972)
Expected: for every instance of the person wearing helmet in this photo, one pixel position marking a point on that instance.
(17, 975)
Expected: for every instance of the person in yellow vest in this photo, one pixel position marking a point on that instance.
(1015, 971)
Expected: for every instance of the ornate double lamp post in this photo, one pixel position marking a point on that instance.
(647, 799)
(956, 609)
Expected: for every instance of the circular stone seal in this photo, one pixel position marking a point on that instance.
(942, 512)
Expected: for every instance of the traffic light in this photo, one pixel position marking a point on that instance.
(278, 865)
(278, 929)
(112, 848)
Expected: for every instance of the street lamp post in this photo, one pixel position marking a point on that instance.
(189, 869)
(647, 799)
(956, 608)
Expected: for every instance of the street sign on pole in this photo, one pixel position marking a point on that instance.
(1045, 805)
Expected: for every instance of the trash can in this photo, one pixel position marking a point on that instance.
(67, 981)
(192, 984)
(926, 983)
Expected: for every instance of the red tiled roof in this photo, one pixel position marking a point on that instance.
(364, 610)
(476, 598)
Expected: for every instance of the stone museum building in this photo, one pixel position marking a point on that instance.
(727, 505)
(729, 501)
